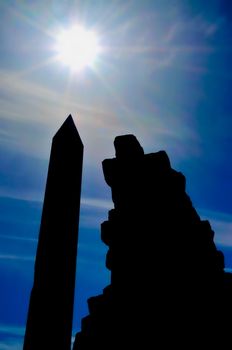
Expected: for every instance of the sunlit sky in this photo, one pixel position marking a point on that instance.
(162, 71)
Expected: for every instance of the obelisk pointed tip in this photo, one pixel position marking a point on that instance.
(67, 129)
(69, 119)
(69, 122)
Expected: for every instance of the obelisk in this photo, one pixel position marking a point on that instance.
(49, 323)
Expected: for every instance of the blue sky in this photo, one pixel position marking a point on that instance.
(164, 74)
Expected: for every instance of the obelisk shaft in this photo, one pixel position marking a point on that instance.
(49, 323)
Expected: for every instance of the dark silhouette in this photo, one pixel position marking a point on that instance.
(168, 286)
(49, 323)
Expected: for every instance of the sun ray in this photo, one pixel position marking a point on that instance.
(113, 94)
(36, 67)
(23, 17)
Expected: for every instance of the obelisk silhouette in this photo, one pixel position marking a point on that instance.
(49, 323)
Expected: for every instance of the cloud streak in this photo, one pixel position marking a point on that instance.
(14, 84)
(16, 257)
(97, 203)
(11, 337)
(11, 344)
(18, 238)
(14, 330)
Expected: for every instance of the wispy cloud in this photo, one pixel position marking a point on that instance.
(90, 202)
(11, 337)
(228, 269)
(11, 344)
(36, 106)
(16, 257)
(30, 195)
(97, 203)
(202, 25)
(32, 104)
(13, 84)
(10, 329)
(18, 238)
(94, 211)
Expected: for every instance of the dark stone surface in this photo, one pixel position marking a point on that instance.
(49, 323)
(168, 286)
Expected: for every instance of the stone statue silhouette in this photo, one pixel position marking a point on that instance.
(168, 285)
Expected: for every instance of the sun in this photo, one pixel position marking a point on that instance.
(77, 47)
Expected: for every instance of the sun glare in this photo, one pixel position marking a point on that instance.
(77, 47)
